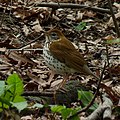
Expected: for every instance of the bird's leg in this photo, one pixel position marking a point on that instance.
(65, 77)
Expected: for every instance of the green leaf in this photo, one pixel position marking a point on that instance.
(68, 112)
(2, 87)
(10, 94)
(18, 98)
(80, 26)
(15, 83)
(20, 105)
(117, 110)
(37, 105)
(2, 106)
(4, 101)
(19, 102)
(75, 118)
(57, 108)
(113, 41)
(5, 96)
(86, 97)
(65, 112)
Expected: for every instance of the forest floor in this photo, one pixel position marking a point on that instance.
(22, 27)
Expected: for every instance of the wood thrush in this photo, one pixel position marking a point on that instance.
(62, 57)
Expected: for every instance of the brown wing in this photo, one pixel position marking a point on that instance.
(64, 51)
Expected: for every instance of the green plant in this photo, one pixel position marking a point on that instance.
(113, 41)
(65, 112)
(10, 93)
(84, 96)
(80, 26)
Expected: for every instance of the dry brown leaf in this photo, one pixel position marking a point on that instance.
(110, 22)
(2, 49)
(37, 27)
(39, 71)
(4, 67)
(55, 17)
(25, 30)
(5, 60)
(70, 17)
(37, 79)
(20, 58)
(27, 118)
(7, 44)
(117, 5)
(89, 14)
(109, 37)
(115, 70)
(56, 82)
(25, 12)
(32, 46)
(79, 15)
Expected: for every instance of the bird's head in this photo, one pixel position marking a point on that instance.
(54, 34)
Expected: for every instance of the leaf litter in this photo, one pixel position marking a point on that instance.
(22, 39)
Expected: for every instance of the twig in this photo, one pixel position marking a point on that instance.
(92, 101)
(26, 49)
(36, 93)
(107, 55)
(36, 39)
(114, 19)
(73, 6)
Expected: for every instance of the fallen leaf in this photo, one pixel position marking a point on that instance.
(37, 27)
(25, 30)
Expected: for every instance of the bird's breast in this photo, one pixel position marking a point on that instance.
(54, 64)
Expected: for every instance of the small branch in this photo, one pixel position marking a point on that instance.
(36, 39)
(36, 93)
(92, 101)
(107, 55)
(114, 19)
(73, 6)
(26, 49)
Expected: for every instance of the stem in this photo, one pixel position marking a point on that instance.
(113, 17)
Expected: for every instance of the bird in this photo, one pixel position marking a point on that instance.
(62, 57)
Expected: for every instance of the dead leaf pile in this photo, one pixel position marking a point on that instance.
(22, 39)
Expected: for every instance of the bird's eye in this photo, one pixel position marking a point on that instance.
(54, 36)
